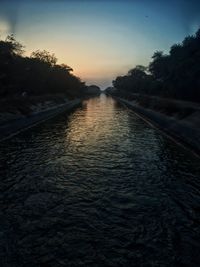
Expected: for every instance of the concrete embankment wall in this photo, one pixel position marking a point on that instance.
(185, 129)
(7, 130)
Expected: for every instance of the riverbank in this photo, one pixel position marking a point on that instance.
(182, 122)
(11, 123)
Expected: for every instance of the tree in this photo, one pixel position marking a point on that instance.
(45, 57)
(138, 72)
(15, 47)
(37, 74)
(159, 67)
(175, 75)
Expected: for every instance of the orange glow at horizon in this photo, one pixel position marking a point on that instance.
(86, 63)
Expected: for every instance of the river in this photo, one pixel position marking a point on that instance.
(98, 187)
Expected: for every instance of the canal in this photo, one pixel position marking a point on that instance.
(98, 187)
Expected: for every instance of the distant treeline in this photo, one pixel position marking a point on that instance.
(35, 75)
(173, 75)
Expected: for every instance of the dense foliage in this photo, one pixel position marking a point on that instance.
(175, 75)
(35, 75)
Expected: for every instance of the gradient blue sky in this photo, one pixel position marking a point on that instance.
(100, 39)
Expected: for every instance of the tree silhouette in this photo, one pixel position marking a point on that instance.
(44, 57)
(38, 74)
(174, 75)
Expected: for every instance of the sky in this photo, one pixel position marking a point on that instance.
(99, 39)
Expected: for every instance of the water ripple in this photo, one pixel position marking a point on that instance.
(98, 187)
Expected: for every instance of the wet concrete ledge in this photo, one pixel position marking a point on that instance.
(185, 131)
(8, 130)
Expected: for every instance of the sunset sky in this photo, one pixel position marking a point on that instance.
(99, 39)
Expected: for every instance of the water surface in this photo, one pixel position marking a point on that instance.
(98, 187)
